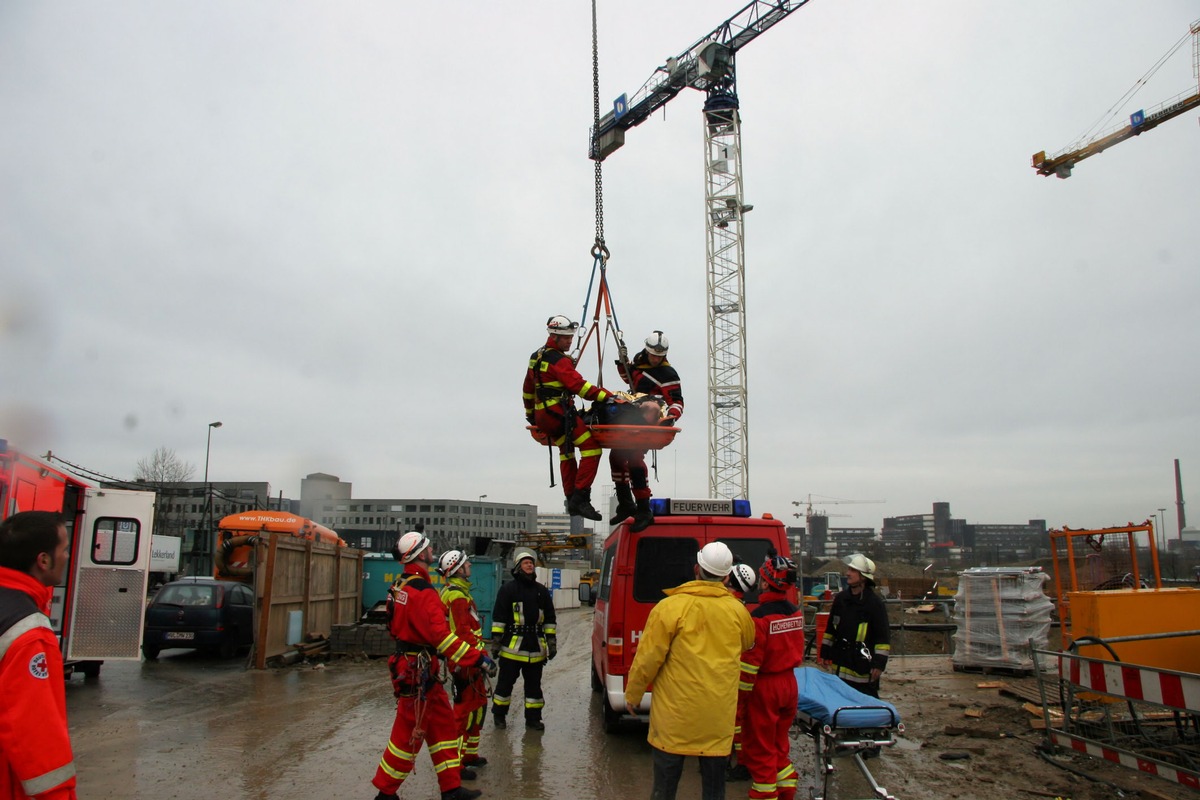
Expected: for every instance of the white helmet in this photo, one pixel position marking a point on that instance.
(742, 578)
(715, 558)
(411, 545)
(862, 564)
(558, 325)
(519, 555)
(451, 562)
(657, 343)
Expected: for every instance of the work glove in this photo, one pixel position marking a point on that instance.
(495, 652)
(488, 666)
(551, 649)
(529, 418)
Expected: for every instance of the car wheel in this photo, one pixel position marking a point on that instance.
(89, 669)
(612, 718)
(150, 651)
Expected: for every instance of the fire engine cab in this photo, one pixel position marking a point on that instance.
(98, 610)
(637, 567)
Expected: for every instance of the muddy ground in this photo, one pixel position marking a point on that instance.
(193, 726)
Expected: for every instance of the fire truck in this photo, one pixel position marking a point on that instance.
(99, 609)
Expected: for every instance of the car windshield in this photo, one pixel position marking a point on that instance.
(181, 594)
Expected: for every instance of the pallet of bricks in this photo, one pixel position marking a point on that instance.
(356, 640)
(998, 611)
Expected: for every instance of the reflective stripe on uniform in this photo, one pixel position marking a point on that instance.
(22, 627)
(48, 780)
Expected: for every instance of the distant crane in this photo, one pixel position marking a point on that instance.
(1062, 163)
(828, 501)
(708, 65)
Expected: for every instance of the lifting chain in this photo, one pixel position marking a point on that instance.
(599, 249)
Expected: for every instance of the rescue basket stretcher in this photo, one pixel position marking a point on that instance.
(843, 721)
(621, 437)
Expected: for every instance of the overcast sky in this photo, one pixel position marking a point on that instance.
(338, 228)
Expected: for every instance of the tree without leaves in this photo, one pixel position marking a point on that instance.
(162, 467)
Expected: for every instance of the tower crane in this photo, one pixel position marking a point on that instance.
(1140, 121)
(808, 504)
(708, 66)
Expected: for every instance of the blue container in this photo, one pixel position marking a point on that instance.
(380, 571)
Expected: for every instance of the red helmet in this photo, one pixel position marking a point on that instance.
(778, 573)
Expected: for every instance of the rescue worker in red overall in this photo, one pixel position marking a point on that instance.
(417, 621)
(35, 748)
(767, 669)
(470, 683)
(649, 373)
(551, 383)
(741, 582)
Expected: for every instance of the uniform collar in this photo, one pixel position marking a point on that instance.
(416, 568)
(23, 581)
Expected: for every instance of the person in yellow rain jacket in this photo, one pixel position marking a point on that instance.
(691, 652)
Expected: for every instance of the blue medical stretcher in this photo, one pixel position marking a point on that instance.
(843, 721)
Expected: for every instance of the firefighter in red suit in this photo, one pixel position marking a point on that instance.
(35, 748)
(767, 669)
(470, 683)
(650, 373)
(551, 383)
(417, 621)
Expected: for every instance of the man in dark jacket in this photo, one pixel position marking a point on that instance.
(524, 638)
(35, 748)
(857, 639)
(650, 373)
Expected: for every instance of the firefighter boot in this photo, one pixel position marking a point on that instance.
(499, 720)
(625, 504)
(580, 505)
(461, 793)
(643, 518)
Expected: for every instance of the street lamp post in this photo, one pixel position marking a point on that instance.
(482, 497)
(208, 488)
(1162, 520)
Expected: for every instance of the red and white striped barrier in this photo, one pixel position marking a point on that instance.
(1127, 759)
(1175, 690)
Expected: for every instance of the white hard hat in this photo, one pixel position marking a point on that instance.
(742, 577)
(519, 555)
(715, 559)
(451, 562)
(411, 545)
(862, 564)
(657, 343)
(558, 325)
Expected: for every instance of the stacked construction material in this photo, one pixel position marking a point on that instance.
(999, 611)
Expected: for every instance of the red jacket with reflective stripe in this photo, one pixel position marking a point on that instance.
(778, 638)
(554, 372)
(35, 747)
(419, 618)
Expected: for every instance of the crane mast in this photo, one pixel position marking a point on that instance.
(708, 65)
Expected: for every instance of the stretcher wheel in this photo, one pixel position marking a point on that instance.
(622, 437)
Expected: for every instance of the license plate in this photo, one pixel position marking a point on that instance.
(188, 635)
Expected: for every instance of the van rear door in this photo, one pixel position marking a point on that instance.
(106, 595)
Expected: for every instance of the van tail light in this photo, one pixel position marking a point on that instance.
(616, 654)
(615, 649)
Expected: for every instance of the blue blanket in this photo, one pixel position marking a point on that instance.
(823, 695)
